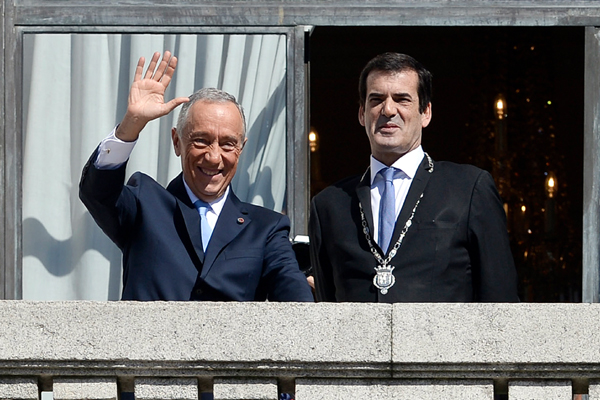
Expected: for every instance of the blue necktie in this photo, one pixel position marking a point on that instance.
(205, 228)
(387, 209)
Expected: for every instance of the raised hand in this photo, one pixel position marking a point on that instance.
(147, 95)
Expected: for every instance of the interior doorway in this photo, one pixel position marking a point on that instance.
(539, 72)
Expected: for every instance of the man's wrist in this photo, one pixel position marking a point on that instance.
(129, 129)
(113, 152)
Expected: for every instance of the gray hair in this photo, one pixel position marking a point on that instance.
(211, 95)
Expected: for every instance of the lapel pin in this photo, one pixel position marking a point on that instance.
(240, 221)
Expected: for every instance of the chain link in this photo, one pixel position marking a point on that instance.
(398, 243)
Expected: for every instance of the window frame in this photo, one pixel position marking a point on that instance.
(294, 18)
(297, 132)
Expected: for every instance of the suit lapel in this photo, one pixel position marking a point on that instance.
(232, 220)
(188, 215)
(417, 187)
(363, 191)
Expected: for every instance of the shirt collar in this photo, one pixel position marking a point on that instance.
(408, 163)
(216, 205)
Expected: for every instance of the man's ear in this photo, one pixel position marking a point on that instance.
(176, 141)
(243, 145)
(361, 115)
(426, 116)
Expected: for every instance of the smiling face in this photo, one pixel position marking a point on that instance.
(391, 114)
(209, 146)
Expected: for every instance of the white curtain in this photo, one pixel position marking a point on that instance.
(75, 92)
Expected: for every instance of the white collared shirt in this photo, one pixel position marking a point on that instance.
(113, 152)
(405, 170)
(216, 206)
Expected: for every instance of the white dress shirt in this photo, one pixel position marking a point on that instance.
(405, 170)
(113, 152)
(216, 206)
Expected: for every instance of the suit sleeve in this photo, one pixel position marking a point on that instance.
(282, 276)
(494, 272)
(102, 192)
(323, 274)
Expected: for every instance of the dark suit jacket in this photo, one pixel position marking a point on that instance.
(456, 250)
(249, 258)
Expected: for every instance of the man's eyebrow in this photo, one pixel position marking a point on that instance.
(235, 138)
(197, 133)
(399, 94)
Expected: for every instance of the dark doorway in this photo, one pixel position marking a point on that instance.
(538, 72)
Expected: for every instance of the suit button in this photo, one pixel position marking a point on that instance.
(198, 292)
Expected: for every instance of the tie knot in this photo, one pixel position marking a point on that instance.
(202, 206)
(387, 173)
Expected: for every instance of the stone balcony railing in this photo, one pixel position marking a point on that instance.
(160, 350)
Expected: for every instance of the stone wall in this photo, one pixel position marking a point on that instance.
(161, 350)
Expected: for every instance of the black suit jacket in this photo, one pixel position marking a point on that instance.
(249, 258)
(456, 250)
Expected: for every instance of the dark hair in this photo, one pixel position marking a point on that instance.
(397, 62)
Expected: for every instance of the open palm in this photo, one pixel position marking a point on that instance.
(147, 95)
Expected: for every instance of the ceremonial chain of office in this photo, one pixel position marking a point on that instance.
(385, 279)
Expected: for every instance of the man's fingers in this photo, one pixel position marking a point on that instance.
(171, 105)
(152, 66)
(139, 69)
(162, 67)
(169, 71)
(161, 72)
